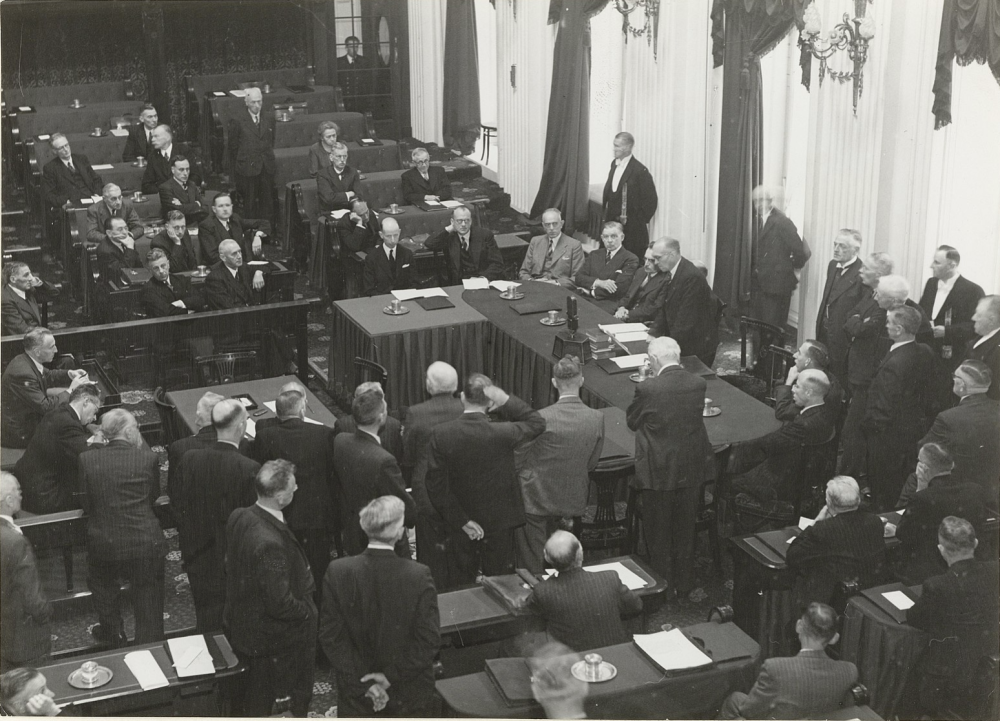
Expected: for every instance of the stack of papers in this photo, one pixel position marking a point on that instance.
(898, 599)
(119, 132)
(503, 285)
(103, 166)
(475, 283)
(452, 203)
(671, 650)
(616, 328)
(418, 293)
(145, 669)
(630, 361)
(632, 581)
(191, 656)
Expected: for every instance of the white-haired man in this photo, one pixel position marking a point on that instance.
(425, 182)
(778, 252)
(112, 204)
(251, 156)
(842, 292)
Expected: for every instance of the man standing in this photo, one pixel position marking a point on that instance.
(225, 224)
(20, 295)
(687, 310)
(338, 184)
(205, 437)
(121, 483)
(644, 296)
(140, 140)
(553, 468)
(380, 626)
(472, 481)
(424, 182)
(629, 195)
(25, 639)
(468, 252)
(116, 251)
(271, 619)
(68, 177)
(230, 284)
(842, 292)
(165, 294)
(553, 257)
(176, 243)
(112, 204)
(389, 266)
(251, 157)
(165, 150)
(671, 454)
(607, 274)
(986, 347)
(390, 433)
(950, 300)
(778, 252)
(811, 354)
(179, 194)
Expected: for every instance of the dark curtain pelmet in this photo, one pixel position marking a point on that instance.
(970, 33)
(461, 118)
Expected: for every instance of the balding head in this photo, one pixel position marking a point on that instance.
(230, 420)
(290, 404)
(663, 352)
(987, 316)
(972, 377)
(203, 413)
(810, 387)
(254, 100)
(892, 291)
(230, 253)
(442, 379)
(567, 376)
(119, 424)
(10, 494)
(390, 233)
(563, 551)
(293, 386)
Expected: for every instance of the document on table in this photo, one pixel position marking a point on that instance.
(432, 203)
(103, 166)
(898, 599)
(238, 93)
(146, 670)
(118, 132)
(418, 293)
(503, 285)
(452, 203)
(475, 283)
(632, 581)
(615, 328)
(631, 336)
(191, 656)
(630, 361)
(671, 650)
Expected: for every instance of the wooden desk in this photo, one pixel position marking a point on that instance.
(302, 129)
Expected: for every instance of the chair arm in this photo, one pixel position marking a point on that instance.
(720, 614)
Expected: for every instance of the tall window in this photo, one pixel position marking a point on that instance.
(362, 60)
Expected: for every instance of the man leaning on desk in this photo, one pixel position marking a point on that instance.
(469, 252)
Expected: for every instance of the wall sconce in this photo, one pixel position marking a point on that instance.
(851, 34)
(650, 25)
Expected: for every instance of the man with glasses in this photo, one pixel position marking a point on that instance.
(423, 182)
(112, 205)
(68, 177)
(644, 296)
(469, 252)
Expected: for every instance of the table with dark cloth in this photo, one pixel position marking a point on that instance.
(104, 149)
(292, 163)
(64, 119)
(640, 690)
(303, 128)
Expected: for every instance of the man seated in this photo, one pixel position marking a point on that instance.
(811, 354)
(165, 294)
(938, 494)
(25, 692)
(644, 296)
(424, 182)
(389, 266)
(765, 465)
(175, 241)
(606, 274)
(584, 610)
(230, 284)
(958, 610)
(140, 141)
(116, 251)
(469, 252)
(68, 177)
(30, 390)
(986, 346)
(20, 296)
(845, 543)
(225, 224)
(802, 686)
(553, 257)
(338, 184)
(112, 204)
(164, 151)
(358, 231)
(177, 193)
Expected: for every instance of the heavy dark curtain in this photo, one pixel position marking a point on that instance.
(970, 33)
(566, 168)
(461, 120)
(742, 31)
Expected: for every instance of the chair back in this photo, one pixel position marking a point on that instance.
(766, 335)
(366, 370)
(606, 528)
(781, 360)
(228, 367)
(168, 417)
(817, 465)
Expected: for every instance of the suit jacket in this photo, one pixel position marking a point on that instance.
(24, 400)
(60, 185)
(269, 587)
(470, 469)
(955, 315)
(111, 260)
(687, 311)
(553, 468)
(958, 609)
(204, 438)
(899, 399)
(563, 266)
(797, 687)
(865, 328)
(333, 189)
(223, 291)
(48, 469)
(421, 419)
(671, 443)
(354, 237)
(643, 302)
(211, 232)
(970, 431)
(944, 496)
(137, 144)
(621, 269)
(380, 614)
(158, 298)
(390, 434)
(183, 256)
(98, 214)
(379, 277)
(989, 353)
(158, 168)
(121, 483)
(415, 187)
(22, 314)
(483, 259)
(640, 205)
(189, 199)
(24, 610)
(310, 447)
(251, 146)
(841, 294)
(847, 546)
(584, 610)
(786, 410)
(777, 253)
(319, 159)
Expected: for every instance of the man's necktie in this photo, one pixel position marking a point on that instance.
(465, 243)
(114, 212)
(71, 168)
(425, 177)
(166, 155)
(392, 262)
(609, 257)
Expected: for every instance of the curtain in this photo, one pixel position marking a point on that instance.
(970, 32)
(461, 121)
(742, 32)
(566, 164)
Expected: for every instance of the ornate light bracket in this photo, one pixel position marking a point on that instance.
(651, 13)
(852, 35)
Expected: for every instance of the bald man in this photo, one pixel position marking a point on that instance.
(230, 284)
(389, 266)
(164, 151)
(112, 204)
(251, 156)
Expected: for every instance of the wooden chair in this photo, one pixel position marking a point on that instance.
(228, 367)
(781, 360)
(366, 370)
(708, 520)
(765, 336)
(168, 417)
(606, 529)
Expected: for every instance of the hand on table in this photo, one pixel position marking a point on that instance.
(621, 314)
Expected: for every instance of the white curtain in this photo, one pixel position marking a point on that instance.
(427, 20)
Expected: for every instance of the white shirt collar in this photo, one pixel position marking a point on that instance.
(387, 249)
(381, 546)
(233, 271)
(277, 514)
(764, 217)
(674, 269)
(613, 253)
(668, 365)
(845, 266)
(814, 405)
(19, 292)
(168, 150)
(623, 163)
(39, 366)
(986, 338)
(372, 435)
(900, 344)
(947, 284)
(10, 520)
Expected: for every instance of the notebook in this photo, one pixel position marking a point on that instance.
(512, 677)
(435, 303)
(527, 307)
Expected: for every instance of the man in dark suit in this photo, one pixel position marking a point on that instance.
(165, 294)
(358, 231)
(205, 437)
(950, 300)
(225, 224)
(644, 297)
(251, 156)
(25, 638)
(121, 483)
(175, 241)
(68, 177)
(112, 204)
(939, 493)
(389, 266)
(211, 482)
(468, 252)
(896, 415)
(26, 693)
(338, 184)
(843, 544)
(778, 252)
(424, 182)
(230, 284)
(842, 292)
(803, 686)
(811, 354)
(313, 515)
(140, 141)
(270, 615)
(116, 251)
(958, 610)
(163, 153)
(581, 609)
(29, 390)
(365, 470)
(379, 625)
(352, 81)
(48, 467)
(629, 195)
(607, 274)
(180, 194)
(471, 479)
(671, 454)
(390, 433)
(687, 310)
(986, 347)
(20, 296)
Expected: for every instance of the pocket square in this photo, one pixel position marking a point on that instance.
(406, 265)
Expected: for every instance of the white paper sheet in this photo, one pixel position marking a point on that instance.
(191, 656)
(24, 108)
(614, 328)
(44, 137)
(367, 141)
(418, 293)
(103, 166)
(87, 201)
(898, 599)
(632, 581)
(475, 283)
(630, 361)
(503, 285)
(338, 214)
(251, 431)
(671, 650)
(145, 669)
(631, 336)
(218, 93)
(118, 132)
(452, 203)
(432, 203)
(257, 262)
(804, 523)
(238, 93)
